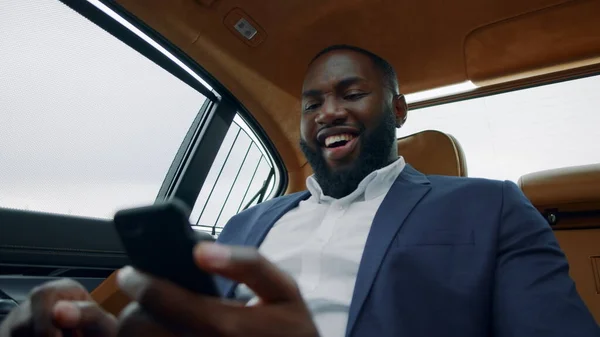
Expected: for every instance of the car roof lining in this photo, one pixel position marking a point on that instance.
(426, 41)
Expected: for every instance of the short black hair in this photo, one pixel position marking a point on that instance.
(389, 76)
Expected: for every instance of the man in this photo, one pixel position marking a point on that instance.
(375, 247)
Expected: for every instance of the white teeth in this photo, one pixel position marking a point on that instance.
(338, 138)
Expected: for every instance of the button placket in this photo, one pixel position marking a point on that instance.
(311, 259)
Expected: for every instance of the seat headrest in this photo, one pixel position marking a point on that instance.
(433, 152)
(570, 188)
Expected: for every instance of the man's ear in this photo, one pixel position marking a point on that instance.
(400, 110)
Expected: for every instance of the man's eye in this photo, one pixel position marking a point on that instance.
(310, 107)
(355, 96)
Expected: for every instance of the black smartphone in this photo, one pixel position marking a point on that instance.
(159, 240)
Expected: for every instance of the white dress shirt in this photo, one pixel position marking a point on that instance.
(320, 243)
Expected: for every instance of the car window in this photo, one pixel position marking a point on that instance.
(508, 135)
(87, 125)
(242, 175)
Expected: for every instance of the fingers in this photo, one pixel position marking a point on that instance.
(177, 308)
(246, 265)
(43, 299)
(87, 317)
(173, 305)
(135, 322)
(55, 306)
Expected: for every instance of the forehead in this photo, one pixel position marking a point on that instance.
(337, 65)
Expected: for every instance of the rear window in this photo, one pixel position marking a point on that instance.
(508, 135)
(242, 175)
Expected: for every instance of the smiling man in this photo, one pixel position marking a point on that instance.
(372, 248)
(379, 249)
(350, 112)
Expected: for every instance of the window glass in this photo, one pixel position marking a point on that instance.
(242, 175)
(87, 124)
(508, 135)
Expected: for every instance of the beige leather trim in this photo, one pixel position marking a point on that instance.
(109, 297)
(461, 165)
(564, 186)
(433, 152)
(560, 37)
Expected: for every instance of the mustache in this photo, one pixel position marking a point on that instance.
(359, 126)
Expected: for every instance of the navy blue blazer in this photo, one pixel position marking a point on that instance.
(448, 256)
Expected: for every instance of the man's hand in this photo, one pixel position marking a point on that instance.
(164, 309)
(57, 307)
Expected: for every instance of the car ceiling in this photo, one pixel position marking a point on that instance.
(431, 43)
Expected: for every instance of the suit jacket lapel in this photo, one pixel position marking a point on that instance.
(261, 228)
(410, 187)
(266, 221)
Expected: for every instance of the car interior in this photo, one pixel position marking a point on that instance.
(246, 60)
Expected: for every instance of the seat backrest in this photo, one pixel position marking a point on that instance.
(433, 152)
(569, 198)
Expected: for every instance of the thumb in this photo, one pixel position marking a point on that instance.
(86, 317)
(246, 265)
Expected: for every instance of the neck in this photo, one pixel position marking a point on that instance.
(393, 154)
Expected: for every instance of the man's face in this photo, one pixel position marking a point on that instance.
(349, 120)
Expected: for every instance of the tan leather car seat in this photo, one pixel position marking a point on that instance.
(570, 199)
(433, 152)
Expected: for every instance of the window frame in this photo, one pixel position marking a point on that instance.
(503, 88)
(188, 170)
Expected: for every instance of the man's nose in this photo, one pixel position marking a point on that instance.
(331, 113)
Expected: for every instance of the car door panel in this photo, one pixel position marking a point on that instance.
(32, 238)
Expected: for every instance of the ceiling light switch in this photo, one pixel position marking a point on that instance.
(245, 28)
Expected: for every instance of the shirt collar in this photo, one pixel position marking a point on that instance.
(373, 185)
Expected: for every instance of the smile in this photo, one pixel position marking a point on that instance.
(338, 140)
(339, 147)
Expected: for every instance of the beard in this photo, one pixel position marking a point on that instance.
(375, 147)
